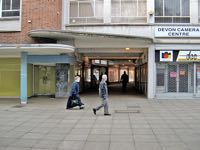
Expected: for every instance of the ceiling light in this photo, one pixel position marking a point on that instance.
(127, 48)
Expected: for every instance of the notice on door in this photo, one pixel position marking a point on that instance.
(173, 74)
(182, 73)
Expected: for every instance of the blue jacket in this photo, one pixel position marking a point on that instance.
(75, 89)
(103, 90)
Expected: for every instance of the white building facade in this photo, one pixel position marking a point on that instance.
(172, 25)
(161, 38)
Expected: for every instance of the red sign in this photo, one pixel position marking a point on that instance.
(173, 74)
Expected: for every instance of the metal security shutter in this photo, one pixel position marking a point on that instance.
(172, 75)
(183, 78)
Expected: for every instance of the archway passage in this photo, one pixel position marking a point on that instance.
(120, 65)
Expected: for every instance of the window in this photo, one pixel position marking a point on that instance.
(172, 11)
(199, 9)
(129, 11)
(10, 8)
(86, 11)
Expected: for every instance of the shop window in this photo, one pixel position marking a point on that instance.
(160, 77)
(172, 11)
(10, 8)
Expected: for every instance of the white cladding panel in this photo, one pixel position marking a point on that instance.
(10, 25)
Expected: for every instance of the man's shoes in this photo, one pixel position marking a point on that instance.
(81, 107)
(94, 110)
(107, 114)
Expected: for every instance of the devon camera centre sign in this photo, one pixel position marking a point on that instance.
(178, 31)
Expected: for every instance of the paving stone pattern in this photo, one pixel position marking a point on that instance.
(45, 124)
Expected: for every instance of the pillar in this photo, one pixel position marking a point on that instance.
(23, 76)
(151, 73)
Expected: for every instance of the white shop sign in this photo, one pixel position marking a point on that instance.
(178, 31)
(191, 56)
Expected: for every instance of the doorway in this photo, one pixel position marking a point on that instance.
(44, 80)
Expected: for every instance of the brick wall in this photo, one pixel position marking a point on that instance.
(44, 14)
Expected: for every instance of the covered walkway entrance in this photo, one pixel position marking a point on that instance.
(108, 53)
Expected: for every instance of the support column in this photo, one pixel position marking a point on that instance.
(151, 73)
(150, 11)
(23, 76)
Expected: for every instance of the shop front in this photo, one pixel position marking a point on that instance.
(177, 73)
(35, 69)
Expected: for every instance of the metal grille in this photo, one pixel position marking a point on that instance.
(198, 78)
(183, 78)
(176, 78)
(160, 78)
(191, 78)
(172, 74)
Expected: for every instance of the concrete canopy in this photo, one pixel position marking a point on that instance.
(104, 45)
(14, 50)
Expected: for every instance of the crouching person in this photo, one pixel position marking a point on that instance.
(74, 97)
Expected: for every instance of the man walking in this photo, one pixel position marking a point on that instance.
(103, 93)
(124, 79)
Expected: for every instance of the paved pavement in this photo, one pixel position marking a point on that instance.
(44, 123)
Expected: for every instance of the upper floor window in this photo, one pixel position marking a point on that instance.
(86, 11)
(128, 11)
(172, 11)
(199, 10)
(10, 8)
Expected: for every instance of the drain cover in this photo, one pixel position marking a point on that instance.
(18, 106)
(127, 111)
(130, 109)
(133, 107)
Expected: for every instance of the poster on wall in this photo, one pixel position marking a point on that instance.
(166, 56)
(182, 73)
(61, 80)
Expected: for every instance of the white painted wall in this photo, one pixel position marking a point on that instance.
(137, 30)
(65, 13)
(107, 11)
(194, 11)
(150, 8)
